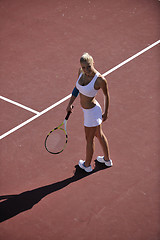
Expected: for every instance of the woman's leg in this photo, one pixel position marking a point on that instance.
(103, 141)
(89, 133)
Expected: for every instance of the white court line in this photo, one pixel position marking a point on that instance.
(67, 97)
(34, 117)
(131, 58)
(19, 105)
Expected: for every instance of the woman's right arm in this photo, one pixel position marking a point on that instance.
(75, 93)
(69, 107)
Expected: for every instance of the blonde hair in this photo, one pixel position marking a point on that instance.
(86, 57)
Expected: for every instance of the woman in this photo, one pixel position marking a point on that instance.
(88, 83)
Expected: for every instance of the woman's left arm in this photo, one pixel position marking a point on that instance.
(104, 86)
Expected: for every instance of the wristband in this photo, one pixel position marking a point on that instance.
(75, 92)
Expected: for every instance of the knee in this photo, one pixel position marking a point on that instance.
(99, 134)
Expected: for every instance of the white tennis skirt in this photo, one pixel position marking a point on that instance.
(93, 116)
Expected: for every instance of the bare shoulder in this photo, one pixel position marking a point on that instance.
(101, 78)
(101, 81)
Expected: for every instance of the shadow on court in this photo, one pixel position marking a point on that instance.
(15, 204)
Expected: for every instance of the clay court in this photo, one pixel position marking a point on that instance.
(45, 196)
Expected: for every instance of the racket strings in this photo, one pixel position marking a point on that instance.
(56, 141)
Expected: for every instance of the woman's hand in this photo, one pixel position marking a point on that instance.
(104, 117)
(69, 108)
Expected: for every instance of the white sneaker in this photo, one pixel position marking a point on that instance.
(81, 165)
(108, 163)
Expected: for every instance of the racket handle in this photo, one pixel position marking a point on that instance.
(68, 114)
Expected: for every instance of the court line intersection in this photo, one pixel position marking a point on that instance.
(38, 114)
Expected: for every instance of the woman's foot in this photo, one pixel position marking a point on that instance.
(82, 165)
(108, 163)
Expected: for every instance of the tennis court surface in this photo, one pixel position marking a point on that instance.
(45, 196)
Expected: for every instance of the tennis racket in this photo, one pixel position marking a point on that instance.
(57, 139)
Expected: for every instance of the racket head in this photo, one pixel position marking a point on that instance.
(56, 140)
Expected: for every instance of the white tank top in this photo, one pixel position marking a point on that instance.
(89, 89)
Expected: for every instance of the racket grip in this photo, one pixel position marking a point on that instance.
(68, 114)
